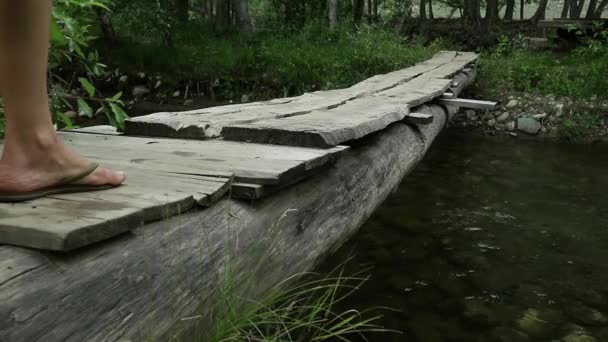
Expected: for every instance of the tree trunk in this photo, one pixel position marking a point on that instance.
(600, 8)
(471, 12)
(565, 9)
(358, 8)
(422, 9)
(333, 13)
(222, 15)
(369, 11)
(521, 9)
(375, 11)
(107, 30)
(540, 12)
(431, 15)
(491, 12)
(241, 7)
(182, 7)
(591, 9)
(509, 10)
(577, 8)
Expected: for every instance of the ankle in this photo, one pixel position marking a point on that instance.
(30, 146)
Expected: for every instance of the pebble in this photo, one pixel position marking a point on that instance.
(511, 104)
(176, 93)
(140, 91)
(511, 126)
(503, 117)
(491, 122)
(578, 336)
(71, 114)
(158, 84)
(528, 126)
(244, 99)
(141, 75)
(470, 114)
(188, 102)
(539, 116)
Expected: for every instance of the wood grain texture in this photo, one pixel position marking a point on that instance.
(252, 163)
(208, 123)
(348, 122)
(69, 221)
(139, 287)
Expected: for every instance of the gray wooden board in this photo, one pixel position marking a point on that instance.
(350, 121)
(69, 221)
(208, 122)
(251, 163)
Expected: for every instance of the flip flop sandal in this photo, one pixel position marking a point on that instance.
(64, 187)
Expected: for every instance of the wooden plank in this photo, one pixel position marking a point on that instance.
(209, 122)
(418, 119)
(103, 129)
(468, 103)
(348, 122)
(69, 221)
(252, 163)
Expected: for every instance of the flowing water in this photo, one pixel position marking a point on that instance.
(490, 240)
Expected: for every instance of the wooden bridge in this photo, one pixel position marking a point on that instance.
(276, 184)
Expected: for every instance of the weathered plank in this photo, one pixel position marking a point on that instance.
(208, 123)
(348, 122)
(418, 119)
(251, 163)
(69, 221)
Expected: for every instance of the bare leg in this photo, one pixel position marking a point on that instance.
(33, 157)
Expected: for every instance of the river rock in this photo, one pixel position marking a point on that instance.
(176, 93)
(140, 91)
(539, 323)
(503, 117)
(559, 109)
(188, 102)
(141, 75)
(491, 122)
(578, 336)
(539, 116)
(479, 313)
(158, 84)
(528, 126)
(506, 334)
(470, 114)
(244, 99)
(511, 126)
(71, 114)
(123, 79)
(587, 316)
(511, 104)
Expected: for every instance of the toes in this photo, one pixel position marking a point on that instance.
(103, 176)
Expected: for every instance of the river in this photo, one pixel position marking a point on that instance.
(490, 240)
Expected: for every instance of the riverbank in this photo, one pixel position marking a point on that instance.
(522, 115)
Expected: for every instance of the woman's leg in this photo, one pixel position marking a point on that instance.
(33, 156)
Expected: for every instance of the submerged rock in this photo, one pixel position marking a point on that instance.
(539, 323)
(588, 316)
(578, 336)
(478, 312)
(528, 126)
(506, 334)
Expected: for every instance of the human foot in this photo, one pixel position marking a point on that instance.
(45, 163)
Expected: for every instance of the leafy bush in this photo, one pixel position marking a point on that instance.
(72, 32)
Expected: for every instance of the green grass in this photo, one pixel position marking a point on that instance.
(580, 74)
(290, 62)
(301, 308)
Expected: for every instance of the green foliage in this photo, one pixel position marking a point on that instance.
(580, 126)
(570, 75)
(286, 62)
(301, 308)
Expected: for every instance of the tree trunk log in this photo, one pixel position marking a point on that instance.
(509, 10)
(242, 9)
(162, 281)
(332, 6)
(540, 12)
